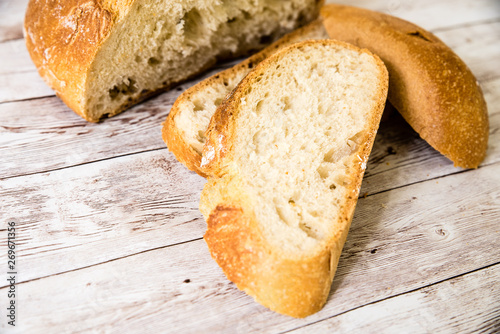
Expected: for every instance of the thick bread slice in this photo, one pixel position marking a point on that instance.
(184, 129)
(285, 155)
(102, 56)
(430, 85)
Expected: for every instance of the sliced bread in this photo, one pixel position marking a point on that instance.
(285, 155)
(184, 129)
(430, 85)
(102, 56)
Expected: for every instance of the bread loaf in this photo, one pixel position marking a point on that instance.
(102, 56)
(285, 155)
(184, 129)
(429, 85)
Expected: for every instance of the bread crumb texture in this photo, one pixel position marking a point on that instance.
(286, 155)
(304, 119)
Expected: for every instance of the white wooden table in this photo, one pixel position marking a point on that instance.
(109, 237)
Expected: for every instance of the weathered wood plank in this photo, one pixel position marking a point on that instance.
(400, 241)
(11, 19)
(94, 213)
(15, 58)
(21, 86)
(466, 304)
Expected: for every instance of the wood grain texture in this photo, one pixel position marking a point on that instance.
(11, 19)
(94, 213)
(466, 304)
(21, 86)
(425, 233)
(15, 58)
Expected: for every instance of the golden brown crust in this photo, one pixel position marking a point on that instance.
(173, 135)
(294, 286)
(63, 37)
(429, 84)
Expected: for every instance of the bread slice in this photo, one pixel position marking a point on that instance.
(184, 129)
(285, 155)
(102, 56)
(430, 85)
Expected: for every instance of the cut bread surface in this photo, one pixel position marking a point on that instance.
(103, 56)
(285, 157)
(184, 129)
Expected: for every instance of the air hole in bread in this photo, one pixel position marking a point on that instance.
(333, 186)
(286, 103)
(357, 138)
(286, 215)
(198, 105)
(201, 137)
(153, 61)
(127, 87)
(342, 180)
(193, 23)
(217, 102)
(258, 106)
(308, 230)
(266, 39)
(323, 171)
(329, 156)
(246, 15)
(138, 59)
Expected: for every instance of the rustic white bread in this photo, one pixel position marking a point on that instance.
(285, 155)
(430, 85)
(102, 56)
(184, 129)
